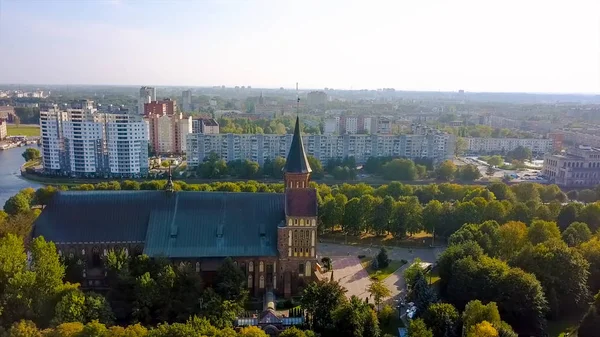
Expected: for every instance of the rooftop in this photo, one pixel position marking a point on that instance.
(176, 225)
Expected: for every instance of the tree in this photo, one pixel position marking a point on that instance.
(12, 259)
(72, 329)
(495, 210)
(562, 271)
(520, 153)
(353, 217)
(386, 314)
(418, 328)
(446, 171)
(44, 195)
(525, 308)
(483, 329)
(421, 293)
(378, 291)
(568, 214)
(17, 204)
(587, 196)
(292, 332)
(469, 172)
(231, 282)
(70, 308)
(98, 309)
(382, 258)
(24, 329)
(542, 231)
(432, 214)
(320, 299)
(501, 191)
(400, 169)
(591, 252)
(443, 319)
(355, 318)
(384, 210)
(252, 331)
(31, 154)
(591, 321)
(590, 214)
(476, 312)
(317, 167)
(512, 237)
(495, 161)
(576, 234)
(130, 185)
(410, 273)
(489, 171)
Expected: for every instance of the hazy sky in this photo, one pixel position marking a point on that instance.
(475, 45)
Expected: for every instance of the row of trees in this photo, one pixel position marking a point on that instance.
(388, 168)
(215, 168)
(394, 208)
(548, 272)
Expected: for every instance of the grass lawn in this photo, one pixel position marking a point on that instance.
(23, 130)
(380, 274)
(565, 325)
(417, 240)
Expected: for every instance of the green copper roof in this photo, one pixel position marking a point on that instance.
(98, 216)
(296, 161)
(172, 224)
(214, 224)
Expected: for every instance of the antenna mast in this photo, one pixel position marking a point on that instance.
(297, 101)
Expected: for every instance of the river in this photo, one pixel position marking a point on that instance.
(10, 176)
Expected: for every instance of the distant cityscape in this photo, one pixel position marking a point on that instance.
(89, 138)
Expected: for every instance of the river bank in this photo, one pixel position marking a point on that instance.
(11, 180)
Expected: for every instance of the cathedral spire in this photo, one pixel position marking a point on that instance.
(296, 161)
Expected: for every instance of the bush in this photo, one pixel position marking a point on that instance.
(386, 314)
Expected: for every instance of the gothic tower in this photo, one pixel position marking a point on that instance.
(297, 236)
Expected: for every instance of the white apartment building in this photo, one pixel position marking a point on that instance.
(357, 124)
(259, 147)
(497, 145)
(79, 141)
(3, 129)
(351, 125)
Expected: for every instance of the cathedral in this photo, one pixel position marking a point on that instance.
(270, 236)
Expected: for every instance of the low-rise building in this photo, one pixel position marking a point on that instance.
(579, 166)
(476, 145)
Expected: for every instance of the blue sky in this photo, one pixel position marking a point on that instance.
(475, 45)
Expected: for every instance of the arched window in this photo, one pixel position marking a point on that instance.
(308, 269)
(197, 267)
(96, 260)
(60, 253)
(105, 252)
(261, 282)
(261, 266)
(83, 251)
(126, 252)
(250, 281)
(251, 267)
